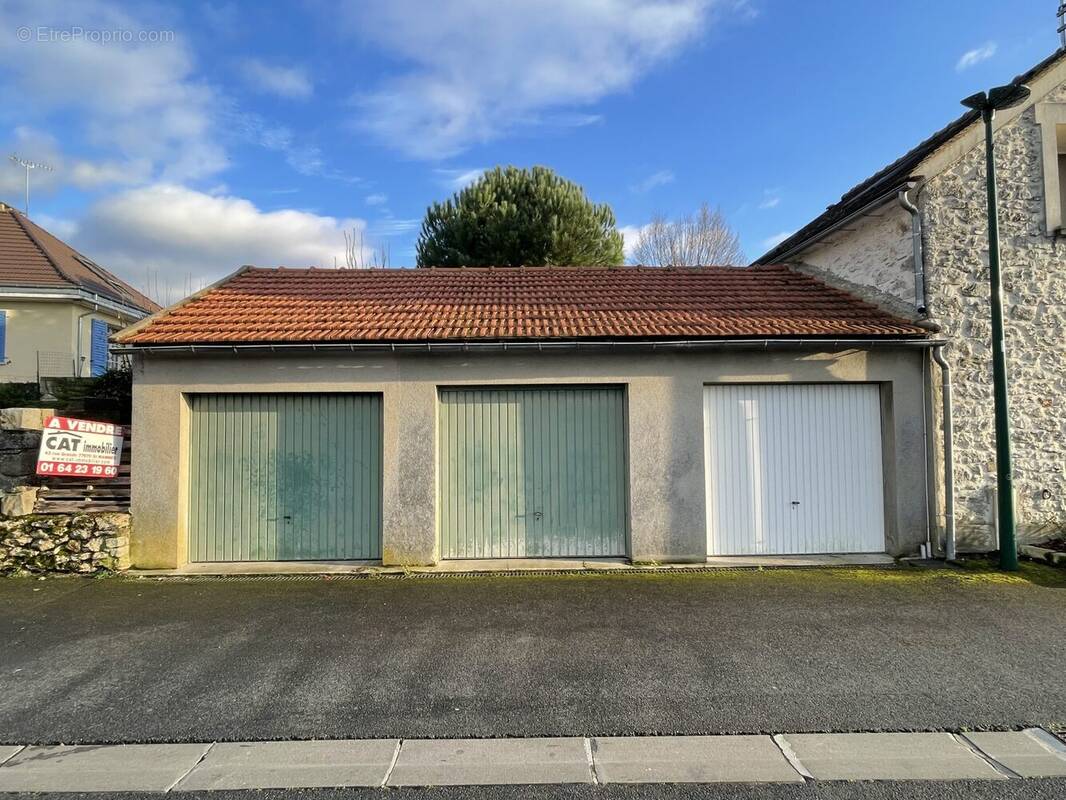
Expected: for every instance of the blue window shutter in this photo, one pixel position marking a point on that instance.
(98, 350)
(3, 336)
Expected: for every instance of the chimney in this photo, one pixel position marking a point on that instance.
(1062, 25)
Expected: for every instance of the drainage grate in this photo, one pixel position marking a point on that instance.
(503, 573)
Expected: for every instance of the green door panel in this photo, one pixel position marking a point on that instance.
(532, 473)
(284, 477)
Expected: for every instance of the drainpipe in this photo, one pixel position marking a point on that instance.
(920, 301)
(949, 456)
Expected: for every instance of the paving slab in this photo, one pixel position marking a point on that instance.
(471, 762)
(6, 751)
(99, 768)
(691, 759)
(1033, 753)
(292, 765)
(888, 757)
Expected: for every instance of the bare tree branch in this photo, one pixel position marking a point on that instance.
(694, 240)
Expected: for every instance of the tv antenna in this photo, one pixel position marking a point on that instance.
(28, 165)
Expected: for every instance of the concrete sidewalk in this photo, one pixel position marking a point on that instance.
(785, 758)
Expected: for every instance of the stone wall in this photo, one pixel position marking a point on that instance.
(1034, 278)
(18, 458)
(84, 543)
(872, 258)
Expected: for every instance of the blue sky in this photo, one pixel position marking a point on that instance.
(188, 139)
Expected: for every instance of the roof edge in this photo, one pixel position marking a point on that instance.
(40, 246)
(459, 345)
(163, 312)
(896, 173)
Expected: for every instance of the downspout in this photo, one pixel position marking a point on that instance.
(920, 301)
(949, 456)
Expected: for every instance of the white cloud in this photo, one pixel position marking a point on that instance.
(660, 178)
(476, 69)
(304, 158)
(189, 237)
(40, 146)
(292, 83)
(138, 99)
(773, 241)
(630, 236)
(391, 226)
(456, 179)
(974, 57)
(771, 198)
(376, 199)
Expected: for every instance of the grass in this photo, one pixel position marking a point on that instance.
(969, 572)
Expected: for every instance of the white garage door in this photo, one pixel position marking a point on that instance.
(793, 469)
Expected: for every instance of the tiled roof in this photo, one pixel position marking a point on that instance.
(31, 257)
(424, 305)
(891, 177)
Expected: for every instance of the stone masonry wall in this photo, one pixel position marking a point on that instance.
(953, 207)
(83, 543)
(872, 258)
(875, 253)
(18, 458)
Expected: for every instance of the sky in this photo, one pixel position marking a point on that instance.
(188, 139)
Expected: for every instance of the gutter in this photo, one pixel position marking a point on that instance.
(77, 295)
(501, 346)
(880, 200)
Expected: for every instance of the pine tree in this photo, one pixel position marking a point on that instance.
(512, 217)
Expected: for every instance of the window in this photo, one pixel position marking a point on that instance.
(1052, 120)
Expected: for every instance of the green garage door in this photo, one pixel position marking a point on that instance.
(284, 477)
(532, 473)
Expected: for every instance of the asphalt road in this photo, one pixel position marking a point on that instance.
(918, 790)
(143, 660)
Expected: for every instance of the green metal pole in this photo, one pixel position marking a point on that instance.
(1008, 545)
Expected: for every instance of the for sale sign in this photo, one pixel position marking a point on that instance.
(79, 447)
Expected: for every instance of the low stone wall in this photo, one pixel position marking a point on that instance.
(82, 543)
(18, 458)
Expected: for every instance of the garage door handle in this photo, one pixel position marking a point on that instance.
(795, 502)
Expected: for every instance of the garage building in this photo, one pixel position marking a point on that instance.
(413, 416)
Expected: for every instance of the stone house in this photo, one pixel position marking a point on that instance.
(913, 239)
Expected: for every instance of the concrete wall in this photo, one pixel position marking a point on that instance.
(49, 327)
(665, 429)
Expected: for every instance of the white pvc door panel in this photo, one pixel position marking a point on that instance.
(793, 469)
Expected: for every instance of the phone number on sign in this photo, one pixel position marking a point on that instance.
(56, 468)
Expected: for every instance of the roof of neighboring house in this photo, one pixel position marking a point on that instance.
(893, 176)
(513, 303)
(31, 257)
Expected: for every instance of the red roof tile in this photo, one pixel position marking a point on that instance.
(31, 257)
(419, 305)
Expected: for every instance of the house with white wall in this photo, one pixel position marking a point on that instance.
(913, 239)
(57, 307)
